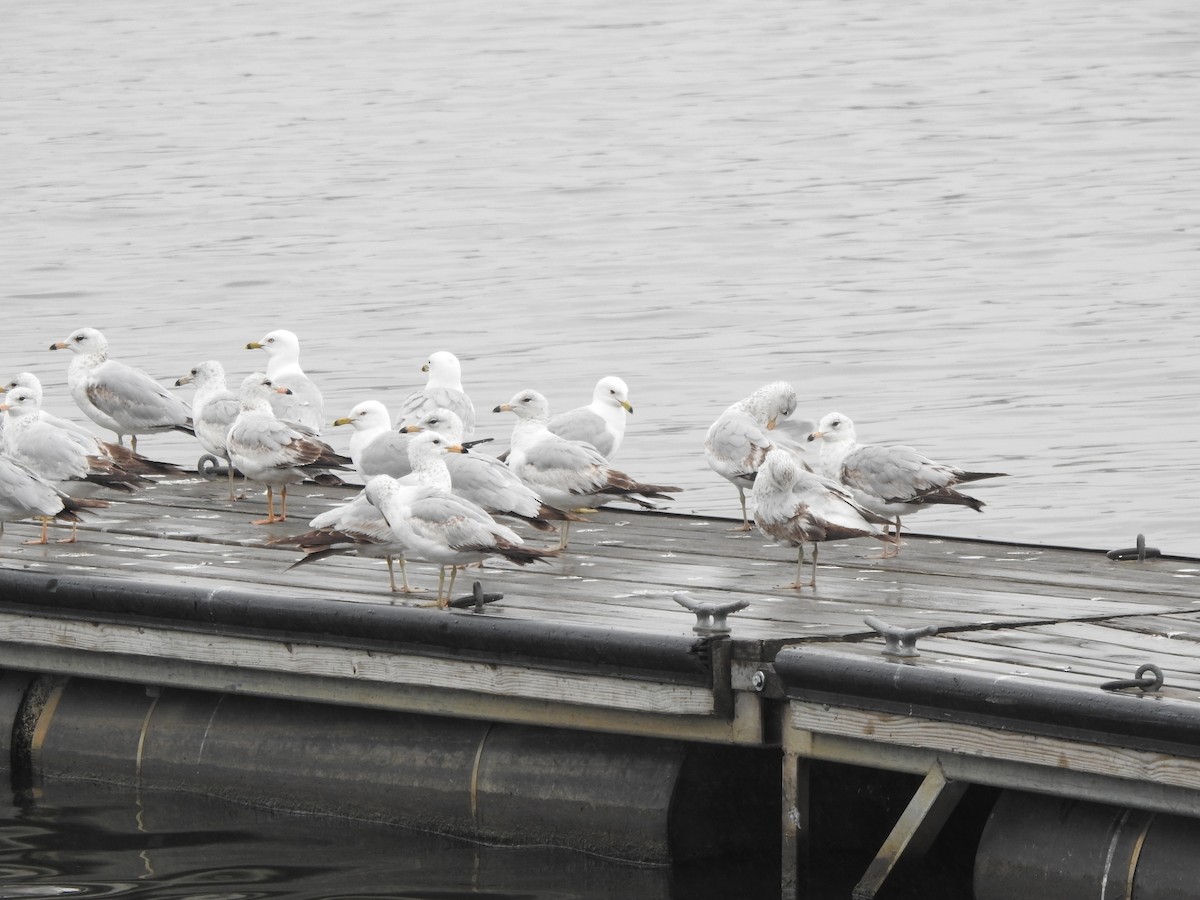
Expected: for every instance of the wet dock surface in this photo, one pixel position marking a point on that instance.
(1065, 615)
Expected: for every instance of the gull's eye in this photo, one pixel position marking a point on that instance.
(79, 339)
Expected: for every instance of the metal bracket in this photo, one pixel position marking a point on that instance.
(477, 599)
(1141, 552)
(900, 642)
(711, 618)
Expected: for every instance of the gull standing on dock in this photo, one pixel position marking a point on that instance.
(214, 409)
(118, 397)
(443, 390)
(600, 423)
(304, 405)
(55, 453)
(375, 447)
(439, 527)
(568, 475)
(486, 481)
(25, 494)
(273, 452)
(796, 507)
(737, 443)
(121, 457)
(892, 481)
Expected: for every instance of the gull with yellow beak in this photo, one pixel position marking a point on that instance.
(600, 423)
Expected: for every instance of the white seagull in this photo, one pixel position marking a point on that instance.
(118, 397)
(737, 443)
(795, 507)
(214, 409)
(358, 528)
(600, 423)
(485, 480)
(25, 494)
(443, 390)
(438, 527)
(891, 481)
(304, 406)
(270, 451)
(374, 446)
(567, 475)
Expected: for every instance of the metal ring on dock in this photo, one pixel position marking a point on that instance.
(1140, 552)
(208, 466)
(1140, 680)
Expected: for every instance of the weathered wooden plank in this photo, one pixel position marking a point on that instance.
(992, 743)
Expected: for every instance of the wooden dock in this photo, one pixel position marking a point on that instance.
(174, 588)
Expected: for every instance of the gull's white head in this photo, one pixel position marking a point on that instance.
(84, 341)
(614, 391)
(209, 372)
(369, 415)
(444, 370)
(528, 406)
(443, 421)
(279, 343)
(834, 427)
(771, 403)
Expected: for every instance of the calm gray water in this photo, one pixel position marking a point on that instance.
(973, 228)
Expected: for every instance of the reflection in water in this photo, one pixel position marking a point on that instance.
(96, 841)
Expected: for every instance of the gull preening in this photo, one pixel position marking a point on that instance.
(567, 475)
(737, 443)
(270, 451)
(116, 396)
(304, 405)
(601, 422)
(795, 507)
(892, 481)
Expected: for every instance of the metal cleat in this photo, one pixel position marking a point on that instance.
(477, 599)
(900, 642)
(711, 618)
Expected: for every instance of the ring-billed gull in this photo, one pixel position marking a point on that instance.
(214, 408)
(600, 423)
(32, 383)
(116, 396)
(443, 390)
(58, 455)
(304, 406)
(122, 457)
(358, 528)
(272, 452)
(892, 481)
(439, 527)
(374, 446)
(568, 475)
(486, 481)
(795, 507)
(737, 443)
(25, 494)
